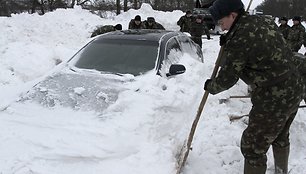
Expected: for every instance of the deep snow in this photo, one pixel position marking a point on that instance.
(35, 139)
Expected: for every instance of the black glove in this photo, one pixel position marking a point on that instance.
(222, 40)
(206, 83)
(208, 38)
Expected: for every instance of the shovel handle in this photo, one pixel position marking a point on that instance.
(183, 155)
(217, 64)
(237, 117)
(240, 96)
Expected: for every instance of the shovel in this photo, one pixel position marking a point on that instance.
(183, 154)
(225, 100)
(237, 117)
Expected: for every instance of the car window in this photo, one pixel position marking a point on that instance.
(119, 56)
(191, 48)
(186, 44)
(173, 55)
(171, 46)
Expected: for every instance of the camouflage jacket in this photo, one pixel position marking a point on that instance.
(155, 25)
(254, 51)
(285, 30)
(185, 22)
(300, 62)
(296, 37)
(198, 29)
(102, 29)
(132, 25)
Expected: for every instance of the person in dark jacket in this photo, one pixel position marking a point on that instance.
(185, 21)
(197, 29)
(296, 34)
(284, 27)
(136, 23)
(150, 23)
(256, 52)
(106, 28)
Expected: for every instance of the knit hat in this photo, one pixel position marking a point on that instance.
(137, 18)
(199, 17)
(150, 19)
(222, 8)
(283, 19)
(118, 27)
(297, 18)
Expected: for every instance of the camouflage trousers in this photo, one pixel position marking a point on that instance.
(274, 108)
(197, 40)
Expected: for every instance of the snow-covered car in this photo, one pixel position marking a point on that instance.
(117, 106)
(94, 77)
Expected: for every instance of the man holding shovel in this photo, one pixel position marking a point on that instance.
(256, 52)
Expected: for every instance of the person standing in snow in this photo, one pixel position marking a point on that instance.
(296, 34)
(105, 29)
(197, 29)
(256, 52)
(284, 27)
(185, 21)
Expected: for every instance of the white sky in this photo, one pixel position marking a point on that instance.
(254, 4)
(140, 133)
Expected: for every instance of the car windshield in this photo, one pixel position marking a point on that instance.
(119, 56)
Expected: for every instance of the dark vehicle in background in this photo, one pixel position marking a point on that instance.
(206, 16)
(201, 8)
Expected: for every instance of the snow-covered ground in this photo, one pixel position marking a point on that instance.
(35, 139)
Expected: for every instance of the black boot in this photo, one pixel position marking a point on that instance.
(248, 169)
(281, 156)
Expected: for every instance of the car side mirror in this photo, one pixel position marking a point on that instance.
(176, 69)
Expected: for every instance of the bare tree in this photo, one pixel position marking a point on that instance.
(72, 4)
(287, 8)
(4, 9)
(125, 8)
(40, 4)
(135, 4)
(118, 6)
(97, 6)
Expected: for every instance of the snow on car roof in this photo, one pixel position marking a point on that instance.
(143, 34)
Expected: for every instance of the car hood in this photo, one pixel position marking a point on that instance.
(85, 91)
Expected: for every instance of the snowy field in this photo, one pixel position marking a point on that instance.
(39, 140)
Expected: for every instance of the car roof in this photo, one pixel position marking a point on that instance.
(143, 34)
